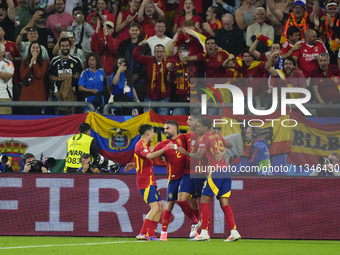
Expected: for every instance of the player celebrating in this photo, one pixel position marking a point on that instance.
(217, 183)
(175, 163)
(192, 182)
(146, 181)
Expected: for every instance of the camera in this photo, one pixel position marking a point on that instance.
(323, 161)
(36, 165)
(3, 159)
(105, 165)
(78, 14)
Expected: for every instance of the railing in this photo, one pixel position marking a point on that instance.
(47, 104)
(149, 105)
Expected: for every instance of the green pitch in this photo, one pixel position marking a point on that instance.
(103, 245)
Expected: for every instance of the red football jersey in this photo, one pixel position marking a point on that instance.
(144, 167)
(213, 143)
(175, 161)
(286, 47)
(213, 64)
(306, 56)
(192, 144)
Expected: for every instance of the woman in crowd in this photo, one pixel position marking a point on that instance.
(122, 89)
(147, 14)
(213, 22)
(103, 14)
(92, 81)
(188, 13)
(124, 18)
(32, 72)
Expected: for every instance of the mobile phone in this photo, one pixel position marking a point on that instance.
(78, 14)
(68, 34)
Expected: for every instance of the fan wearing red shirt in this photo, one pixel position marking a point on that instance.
(213, 21)
(124, 19)
(212, 60)
(325, 80)
(147, 15)
(146, 181)
(249, 68)
(175, 163)
(218, 182)
(306, 55)
(291, 45)
(188, 13)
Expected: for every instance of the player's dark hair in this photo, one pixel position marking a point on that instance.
(84, 127)
(206, 122)
(85, 156)
(172, 122)
(26, 156)
(290, 58)
(143, 128)
(292, 30)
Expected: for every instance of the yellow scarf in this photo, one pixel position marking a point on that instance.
(154, 77)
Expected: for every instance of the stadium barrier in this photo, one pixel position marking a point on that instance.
(47, 104)
(111, 205)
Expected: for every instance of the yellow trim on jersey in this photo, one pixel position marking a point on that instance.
(169, 170)
(141, 165)
(146, 194)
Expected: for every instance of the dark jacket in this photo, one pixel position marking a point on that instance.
(231, 41)
(125, 50)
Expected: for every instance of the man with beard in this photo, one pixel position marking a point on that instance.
(298, 17)
(7, 19)
(65, 66)
(330, 28)
(306, 56)
(289, 76)
(59, 21)
(291, 45)
(325, 82)
(23, 15)
(259, 162)
(175, 162)
(158, 88)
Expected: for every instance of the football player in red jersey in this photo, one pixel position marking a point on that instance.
(218, 182)
(146, 181)
(175, 163)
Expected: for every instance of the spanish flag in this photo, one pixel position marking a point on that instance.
(265, 40)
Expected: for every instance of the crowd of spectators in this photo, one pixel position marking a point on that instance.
(151, 50)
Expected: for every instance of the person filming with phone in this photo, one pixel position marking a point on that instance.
(121, 84)
(82, 30)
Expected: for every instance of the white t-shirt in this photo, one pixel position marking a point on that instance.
(154, 40)
(6, 66)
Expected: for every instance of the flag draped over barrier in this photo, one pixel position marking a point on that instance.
(311, 140)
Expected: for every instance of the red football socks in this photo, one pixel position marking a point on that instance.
(205, 216)
(146, 226)
(153, 228)
(186, 208)
(228, 213)
(165, 220)
(196, 213)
